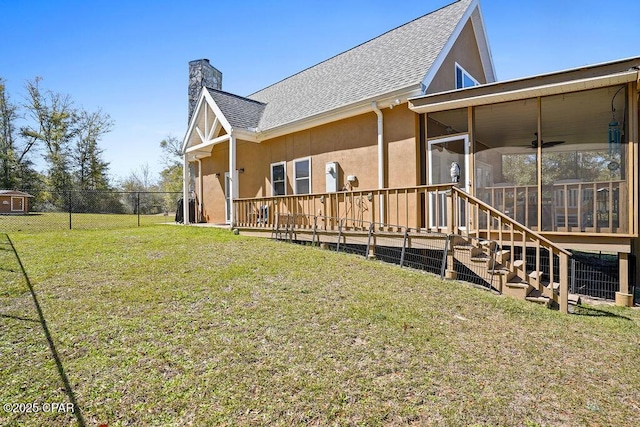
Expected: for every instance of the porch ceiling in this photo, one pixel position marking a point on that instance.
(580, 119)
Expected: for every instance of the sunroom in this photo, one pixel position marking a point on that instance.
(555, 152)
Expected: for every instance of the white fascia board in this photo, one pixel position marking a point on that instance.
(482, 41)
(532, 92)
(194, 120)
(435, 67)
(207, 144)
(351, 110)
(245, 134)
(205, 99)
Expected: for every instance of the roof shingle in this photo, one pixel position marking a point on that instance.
(398, 59)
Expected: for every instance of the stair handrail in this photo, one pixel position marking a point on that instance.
(508, 219)
(563, 254)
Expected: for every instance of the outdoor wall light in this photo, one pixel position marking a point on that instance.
(217, 174)
(241, 170)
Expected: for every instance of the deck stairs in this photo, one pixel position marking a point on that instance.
(505, 275)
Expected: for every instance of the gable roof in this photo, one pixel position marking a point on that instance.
(385, 70)
(240, 112)
(397, 59)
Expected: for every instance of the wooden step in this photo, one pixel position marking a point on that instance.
(535, 296)
(482, 259)
(473, 250)
(488, 246)
(503, 256)
(518, 263)
(517, 288)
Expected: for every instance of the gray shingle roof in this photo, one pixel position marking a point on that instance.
(240, 112)
(395, 60)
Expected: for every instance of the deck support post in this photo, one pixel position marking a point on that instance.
(623, 297)
(564, 283)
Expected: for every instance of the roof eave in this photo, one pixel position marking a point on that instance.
(423, 105)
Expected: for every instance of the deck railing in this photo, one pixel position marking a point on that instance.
(440, 208)
(597, 207)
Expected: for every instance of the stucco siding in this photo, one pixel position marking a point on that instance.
(465, 52)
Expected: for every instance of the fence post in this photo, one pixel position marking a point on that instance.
(339, 235)
(70, 208)
(368, 253)
(573, 275)
(445, 252)
(315, 230)
(138, 206)
(404, 246)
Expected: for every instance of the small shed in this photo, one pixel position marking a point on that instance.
(14, 202)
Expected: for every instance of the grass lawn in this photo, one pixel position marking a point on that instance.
(48, 221)
(178, 326)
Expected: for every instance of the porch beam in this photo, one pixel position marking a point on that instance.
(539, 164)
(208, 143)
(185, 189)
(233, 173)
(471, 175)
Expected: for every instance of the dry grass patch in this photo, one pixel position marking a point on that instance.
(179, 326)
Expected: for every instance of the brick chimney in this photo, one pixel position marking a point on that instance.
(201, 73)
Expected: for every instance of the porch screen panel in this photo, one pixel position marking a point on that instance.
(584, 161)
(505, 161)
(446, 123)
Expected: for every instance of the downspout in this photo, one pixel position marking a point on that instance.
(199, 213)
(381, 159)
(185, 189)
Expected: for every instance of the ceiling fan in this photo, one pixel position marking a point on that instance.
(547, 144)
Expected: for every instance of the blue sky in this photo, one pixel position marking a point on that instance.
(130, 57)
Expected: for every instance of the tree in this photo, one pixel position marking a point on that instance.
(54, 124)
(171, 175)
(16, 169)
(142, 192)
(90, 169)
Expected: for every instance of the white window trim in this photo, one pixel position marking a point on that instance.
(464, 73)
(295, 176)
(17, 198)
(284, 164)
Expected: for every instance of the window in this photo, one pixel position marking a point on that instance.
(464, 79)
(302, 176)
(17, 204)
(278, 179)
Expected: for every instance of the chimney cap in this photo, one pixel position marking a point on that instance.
(199, 60)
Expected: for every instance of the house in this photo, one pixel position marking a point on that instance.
(14, 202)
(541, 165)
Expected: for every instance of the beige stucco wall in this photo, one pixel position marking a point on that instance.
(465, 52)
(351, 142)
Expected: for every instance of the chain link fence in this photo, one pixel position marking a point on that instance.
(47, 210)
(473, 260)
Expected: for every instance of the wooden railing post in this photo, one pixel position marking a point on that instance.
(450, 213)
